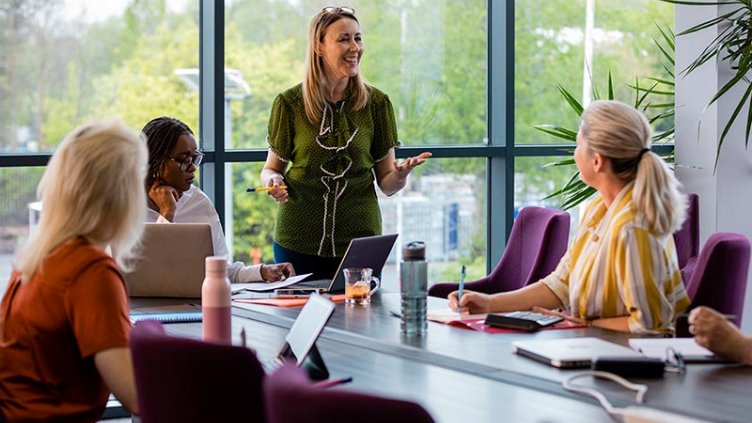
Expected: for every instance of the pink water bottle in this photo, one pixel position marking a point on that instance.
(215, 302)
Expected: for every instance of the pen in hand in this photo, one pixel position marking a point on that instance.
(461, 287)
(264, 189)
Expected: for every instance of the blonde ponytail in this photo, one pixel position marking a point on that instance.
(656, 195)
(622, 134)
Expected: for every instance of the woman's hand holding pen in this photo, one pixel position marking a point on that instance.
(475, 302)
(278, 191)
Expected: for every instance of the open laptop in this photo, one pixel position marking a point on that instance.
(171, 260)
(371, 251)
(571, 352)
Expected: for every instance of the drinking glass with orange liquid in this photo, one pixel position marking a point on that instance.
(358, 285)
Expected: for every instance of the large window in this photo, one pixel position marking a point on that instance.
(551, 37)
(63, 63)
(219, 65)
(430, 58)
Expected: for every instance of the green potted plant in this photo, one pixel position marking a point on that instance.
(732, 44)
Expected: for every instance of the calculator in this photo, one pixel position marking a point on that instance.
(522, 320)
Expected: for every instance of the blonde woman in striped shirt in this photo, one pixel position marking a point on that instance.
(621, 271)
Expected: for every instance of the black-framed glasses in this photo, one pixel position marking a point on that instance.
(184, 161)
(338, 10)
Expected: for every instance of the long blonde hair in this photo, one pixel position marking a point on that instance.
(622, 134)
(314, 78)
(92, 187)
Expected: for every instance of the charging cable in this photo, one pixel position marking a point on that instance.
(605, 403)
(628, 414)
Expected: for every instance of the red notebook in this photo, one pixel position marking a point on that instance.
(475, 322)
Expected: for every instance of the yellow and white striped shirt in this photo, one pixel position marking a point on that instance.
(616, 266)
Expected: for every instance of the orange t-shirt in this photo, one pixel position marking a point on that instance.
(50, 328)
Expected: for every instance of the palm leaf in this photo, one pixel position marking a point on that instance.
(557, 131)
(573, 103)
(730, 122)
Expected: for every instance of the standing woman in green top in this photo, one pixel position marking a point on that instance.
(328, 137)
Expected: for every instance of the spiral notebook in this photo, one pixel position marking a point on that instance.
(168, 317)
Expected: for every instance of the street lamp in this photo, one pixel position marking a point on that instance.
(236, 88)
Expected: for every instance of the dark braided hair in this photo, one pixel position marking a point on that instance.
(162, 134)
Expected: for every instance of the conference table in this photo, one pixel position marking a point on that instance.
(459, 374)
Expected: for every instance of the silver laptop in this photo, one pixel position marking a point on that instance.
(371, 251)
(571, 352)
(171, 260)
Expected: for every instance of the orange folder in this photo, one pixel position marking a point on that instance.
(287, 302)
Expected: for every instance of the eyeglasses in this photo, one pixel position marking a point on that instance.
(339, 10)
(196, 159)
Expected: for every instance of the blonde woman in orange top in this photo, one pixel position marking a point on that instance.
(64, 318)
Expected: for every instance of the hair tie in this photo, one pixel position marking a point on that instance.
(643, 151)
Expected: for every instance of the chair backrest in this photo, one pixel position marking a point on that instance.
(290, 398)
(537, 242)
(186, 380)
(720, 278)
(687, 238)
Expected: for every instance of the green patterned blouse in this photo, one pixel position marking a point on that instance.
(329, 178)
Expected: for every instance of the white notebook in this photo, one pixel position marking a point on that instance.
(687, 347)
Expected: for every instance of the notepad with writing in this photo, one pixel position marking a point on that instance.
(168, 317)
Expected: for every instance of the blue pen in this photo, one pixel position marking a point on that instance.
(462, 286)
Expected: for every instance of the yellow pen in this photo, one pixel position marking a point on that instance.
(264, 189)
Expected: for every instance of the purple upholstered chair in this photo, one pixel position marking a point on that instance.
(538, 241)
(186, 380)
(687, 238)
(720, 277)
(290, 398)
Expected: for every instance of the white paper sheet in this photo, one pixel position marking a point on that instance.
(267, 286)
(656, 347)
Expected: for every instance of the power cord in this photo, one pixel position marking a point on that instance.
(631, 414)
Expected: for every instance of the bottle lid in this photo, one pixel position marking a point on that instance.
(216, 264)
(415, 250)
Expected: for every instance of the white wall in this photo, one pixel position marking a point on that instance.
(725, 194)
